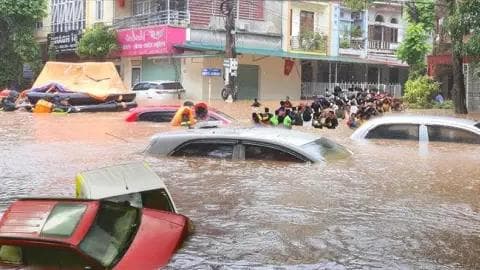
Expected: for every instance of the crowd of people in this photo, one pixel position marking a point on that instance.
(326, 110)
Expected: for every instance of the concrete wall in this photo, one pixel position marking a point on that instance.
(272, 23)
(248, 40)
(273, 84)
(90, 12)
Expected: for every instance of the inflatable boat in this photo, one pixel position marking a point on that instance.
(105, 107)
(79, 98)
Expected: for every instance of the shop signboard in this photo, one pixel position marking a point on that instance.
(150, 40)
(64, 42)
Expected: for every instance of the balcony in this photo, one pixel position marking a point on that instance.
(309, 43)
(354, 46)
(381, 46)
(164, 17)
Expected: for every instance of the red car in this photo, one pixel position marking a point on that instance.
(166, 113)
(87, 234)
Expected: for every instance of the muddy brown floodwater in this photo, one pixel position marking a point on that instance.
(391, 205)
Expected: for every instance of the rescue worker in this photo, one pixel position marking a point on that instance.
(287, 120)
(265, 117)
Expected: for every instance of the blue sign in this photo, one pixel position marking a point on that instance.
(211, 72)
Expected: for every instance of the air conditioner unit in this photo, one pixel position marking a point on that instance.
(243, 26)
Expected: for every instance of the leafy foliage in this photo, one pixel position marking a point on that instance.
(357, 5)
(421, 12)
(98, 42)
(419, 91)
(414, 47)
(462, 21)
(17, 41)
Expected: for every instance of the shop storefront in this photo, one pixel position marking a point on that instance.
(147, 53)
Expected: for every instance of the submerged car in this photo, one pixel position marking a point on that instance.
(420, 128)
(135, 183)
(275, 144)
(166, 113)
(87, 234)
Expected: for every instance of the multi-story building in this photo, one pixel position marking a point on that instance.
(286, 48)
(361, 51)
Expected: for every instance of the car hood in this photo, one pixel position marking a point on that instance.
(159, 235)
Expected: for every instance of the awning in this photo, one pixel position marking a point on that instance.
(280, 53)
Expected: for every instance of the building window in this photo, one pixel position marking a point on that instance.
(143, 7)
(379, 18)
(99, 10)
(393, 21)
(68, 15)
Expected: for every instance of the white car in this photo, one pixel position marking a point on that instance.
(158, 90)
(134, 183)
(420, 128)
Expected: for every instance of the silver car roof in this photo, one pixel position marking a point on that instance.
(416, 119)
(164, 143)
(120, 179)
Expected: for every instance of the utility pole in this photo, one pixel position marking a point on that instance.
(230, 61)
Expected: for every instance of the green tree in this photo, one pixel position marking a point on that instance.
(98, 42)
(357, 5)
(17, 41)
(416, 45)
(463, 20)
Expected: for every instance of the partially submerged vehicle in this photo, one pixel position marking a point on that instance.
(135, 183)
(420, 128)
(275, 144)
(45, 233)
(167, 112)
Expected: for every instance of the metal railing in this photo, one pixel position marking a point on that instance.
(314, 44)
(312, 89)
(164, 17)
(382, 45)
(355, 44)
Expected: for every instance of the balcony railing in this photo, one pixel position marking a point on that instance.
(310, 90)
(355, 44)
(316, 44)
(164, 17)
(382, 45)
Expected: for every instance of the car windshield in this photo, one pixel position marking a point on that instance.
(325, 149)
(477, 125)
(111, 233)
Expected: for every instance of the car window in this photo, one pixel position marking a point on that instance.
(477, 125)
(173, 85)
(324, 148)
(221, 150)
(10, 255)
(63, 220)
(394, 131)
(157, 199)
(263, 152)
(53, 258)
(157, 116)
(139, 87)
(438, 133)
(111, 233)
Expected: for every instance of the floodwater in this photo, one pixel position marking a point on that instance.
(392, 205)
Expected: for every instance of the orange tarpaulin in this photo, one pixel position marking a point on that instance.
(97, 79)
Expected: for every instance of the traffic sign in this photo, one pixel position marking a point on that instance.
(211, 72)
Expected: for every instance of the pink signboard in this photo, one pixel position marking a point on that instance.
(150, 40)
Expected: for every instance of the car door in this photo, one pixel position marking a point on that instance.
(43, 257)
(398, 131)
(251, 150)
(210, 148)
